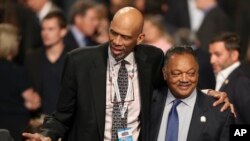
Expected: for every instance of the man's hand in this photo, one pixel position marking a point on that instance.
(32, 100)
(35, 137)
(222, 98)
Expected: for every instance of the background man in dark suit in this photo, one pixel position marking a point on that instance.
(214, 21)
(84, 22)
(196, 119)
(230, 77)
(86, 101)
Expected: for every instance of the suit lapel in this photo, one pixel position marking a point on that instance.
(159, 101)
(144, 71)
(231, 77)
(98, 83)
(144, 76)
(196, 126)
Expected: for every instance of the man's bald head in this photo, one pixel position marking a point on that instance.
(130, 16)
(125, 32)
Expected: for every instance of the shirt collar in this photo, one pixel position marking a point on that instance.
(129, 58)
(79, 36)
(226, 72)
(189, 101)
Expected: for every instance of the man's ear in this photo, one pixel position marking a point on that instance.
(64, 32)
(235, 55)
(140, 38)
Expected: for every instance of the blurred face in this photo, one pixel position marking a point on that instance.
(51, 32)
(123, 38)
(89, 22)
(35, 5)
(201, 4)
(181, 75)
(220, 58)
(140, 4)
(150, 31)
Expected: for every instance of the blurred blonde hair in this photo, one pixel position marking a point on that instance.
(8, 41)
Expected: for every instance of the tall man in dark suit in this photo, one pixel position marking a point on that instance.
(87, 97)
(230, 77)
(195, 118)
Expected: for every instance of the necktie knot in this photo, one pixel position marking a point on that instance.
(176, 102)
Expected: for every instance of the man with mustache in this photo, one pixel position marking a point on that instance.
(181, 112)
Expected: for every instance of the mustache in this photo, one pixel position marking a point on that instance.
(184, 83)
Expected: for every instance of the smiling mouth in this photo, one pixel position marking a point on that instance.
(184, 87)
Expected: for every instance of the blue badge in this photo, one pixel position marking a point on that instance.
(125, 134)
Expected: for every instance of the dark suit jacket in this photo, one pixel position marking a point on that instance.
(237, 87)
(215, 21)
(178, 14)
(80, 115)
(216, 127)
(206, 74)
(71, 43)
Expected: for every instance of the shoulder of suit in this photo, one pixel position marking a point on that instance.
(160, 92)
(90, 51)
(208, 101)
(149, 50)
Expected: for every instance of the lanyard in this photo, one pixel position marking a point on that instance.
(123, 107)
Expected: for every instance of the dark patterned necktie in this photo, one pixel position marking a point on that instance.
(173, 122)
(117, 121)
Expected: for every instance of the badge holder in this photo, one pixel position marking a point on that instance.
(125, 134)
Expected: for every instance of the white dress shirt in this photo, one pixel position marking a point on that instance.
(78, 35)
(134, 106)
(195, 14)
(222, 75)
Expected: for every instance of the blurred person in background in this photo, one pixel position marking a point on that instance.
(45, 64)
(102, 30)
(215, 21)
(156, 33)
(17, 96)
(84, 23)
(225, 54)
(41, 7)
(25, 20)
(115, 5)
(246, 63)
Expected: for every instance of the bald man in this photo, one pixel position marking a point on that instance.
(106, 89)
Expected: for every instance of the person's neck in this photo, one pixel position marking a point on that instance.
(54, 52)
